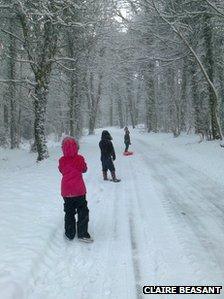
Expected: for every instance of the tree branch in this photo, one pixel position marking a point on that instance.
(64, 67)
(187, 44)
(27, 81)
(63, 58)
(215, 8)
(15, 36)
(21, 60)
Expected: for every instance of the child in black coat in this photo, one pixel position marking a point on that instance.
(127, 139)
(107, 156)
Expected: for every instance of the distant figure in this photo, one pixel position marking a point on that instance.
(73, 190)
(127, 140)
(107, 156)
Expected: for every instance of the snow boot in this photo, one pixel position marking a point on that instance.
(114, 178)
(68, 238)
(105, 176)
(86, 238)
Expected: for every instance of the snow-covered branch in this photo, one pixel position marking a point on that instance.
(21, 60)
(27, 81)
(65, 67)
(187, 44)
(215, 8)
(56, 59)
(13, 35)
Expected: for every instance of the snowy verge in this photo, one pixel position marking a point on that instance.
(30, 215)
(207, 156)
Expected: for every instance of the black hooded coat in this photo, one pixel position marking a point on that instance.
(106, 146)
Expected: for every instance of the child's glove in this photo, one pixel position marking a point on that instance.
(114, 157)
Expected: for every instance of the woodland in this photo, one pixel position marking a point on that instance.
(70, 65)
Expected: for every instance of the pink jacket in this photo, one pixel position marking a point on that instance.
(72, 165)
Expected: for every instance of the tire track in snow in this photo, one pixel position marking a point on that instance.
(148, 259)
(183, 213)
(46, 260)
(135, 250)
(135, 260)
(119, 262)
(192, 221)
(155, 264)
(152, 260)
(145, 261)
(97, 274)
(56, 265)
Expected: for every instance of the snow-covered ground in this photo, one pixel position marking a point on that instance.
(162, 225)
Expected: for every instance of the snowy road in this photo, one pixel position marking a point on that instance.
(162, 225)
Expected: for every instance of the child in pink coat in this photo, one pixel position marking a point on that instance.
(73, 190)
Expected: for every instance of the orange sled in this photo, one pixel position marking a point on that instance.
(128, 153)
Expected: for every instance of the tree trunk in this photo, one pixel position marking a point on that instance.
(195, 99)
(151, 117)
(130, 102)
(12, 87)
(111, 111)
(120, 112)
(71, 105)
(94, 105)
(75, 126)
(40, 106)
(138, 100)
(213, 103)
(91, 107)
(6, 117)
(184, 82)
(221, 80)
(19, 127)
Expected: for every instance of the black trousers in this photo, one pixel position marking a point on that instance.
(107, 164)
(73, 205)
(126, 146)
